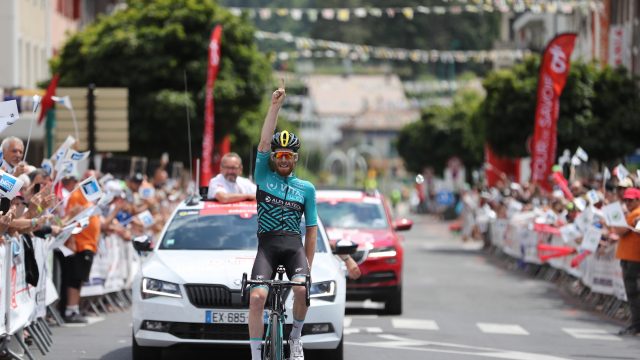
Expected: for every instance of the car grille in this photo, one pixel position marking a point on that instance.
(196, 331)
(374, 278)
(210, 296)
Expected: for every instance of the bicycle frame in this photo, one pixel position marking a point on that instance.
(273, 348)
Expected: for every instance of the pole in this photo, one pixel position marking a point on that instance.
(50, 128)
(91, 121)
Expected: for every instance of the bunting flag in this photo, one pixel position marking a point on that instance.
(554, 70)
(318, 48)
(209, 122)
(409, 13)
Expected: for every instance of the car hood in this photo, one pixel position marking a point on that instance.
(220, 267)
(365, 238)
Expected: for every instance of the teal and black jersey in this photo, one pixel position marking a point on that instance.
(282, 201)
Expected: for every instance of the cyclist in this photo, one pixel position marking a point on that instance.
(282, 199)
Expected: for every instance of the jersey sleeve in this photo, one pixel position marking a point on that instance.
(262, 167)
(310, 212)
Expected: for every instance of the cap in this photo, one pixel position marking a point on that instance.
(137, 177)
(631, 194)
(626, 183)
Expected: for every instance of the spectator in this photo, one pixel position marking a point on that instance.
(76, 268)
(12, 154)
(629, 254)
(229, 186)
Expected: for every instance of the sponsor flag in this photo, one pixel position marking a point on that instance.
(9, 186)
(47, 101)
(47, 166)
(62, 150)
(614, 215)
(9, 114)
(554, 70)
(146, 218)
(91, 188)
(209, 122)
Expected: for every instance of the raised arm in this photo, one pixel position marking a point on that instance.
(271, 120)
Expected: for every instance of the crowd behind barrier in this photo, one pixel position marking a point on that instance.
(40, 228)
(568, 234)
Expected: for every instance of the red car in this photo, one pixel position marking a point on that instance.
(365, 218)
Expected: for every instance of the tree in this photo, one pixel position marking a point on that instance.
(148, 48)
(598, 110)
(441, 133)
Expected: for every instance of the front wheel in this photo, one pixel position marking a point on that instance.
(273, 343)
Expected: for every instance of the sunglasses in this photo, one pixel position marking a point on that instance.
(285, 155)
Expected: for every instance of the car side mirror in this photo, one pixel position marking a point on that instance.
(142, 243)
(345, 247)
(402, 224)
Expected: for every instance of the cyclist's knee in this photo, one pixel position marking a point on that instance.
(258, 297)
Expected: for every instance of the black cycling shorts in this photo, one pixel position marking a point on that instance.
(76, 268)
(279, 249)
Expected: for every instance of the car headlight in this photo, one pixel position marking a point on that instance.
(325, 290)
(153, 287)
(388, 251)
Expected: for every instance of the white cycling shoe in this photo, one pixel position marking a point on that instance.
(295, 349)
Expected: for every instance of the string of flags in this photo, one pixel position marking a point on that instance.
(409, 13)
(316, 48)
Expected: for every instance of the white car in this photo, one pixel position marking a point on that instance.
(188, 288)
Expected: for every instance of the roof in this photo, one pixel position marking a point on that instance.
(382, 120)
(335, 95)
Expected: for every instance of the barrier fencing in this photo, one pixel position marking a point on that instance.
(542, 252)
(25, 307)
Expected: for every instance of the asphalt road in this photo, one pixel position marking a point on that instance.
(457, 305)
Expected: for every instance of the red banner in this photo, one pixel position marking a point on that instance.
(554, 70)
(207, 135)
(47, 102)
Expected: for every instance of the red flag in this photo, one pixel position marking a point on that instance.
(207, 136)
(47, 102)
(554, 70)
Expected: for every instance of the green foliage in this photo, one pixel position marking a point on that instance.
(598, 110)
(148, 48)
(441, 133)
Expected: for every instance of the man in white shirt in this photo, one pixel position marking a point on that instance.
(229, 186)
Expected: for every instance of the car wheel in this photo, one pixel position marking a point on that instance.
(393, 305)
(333, 354)
(144, 352)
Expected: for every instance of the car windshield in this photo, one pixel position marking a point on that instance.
(189, 230)
(352, 215)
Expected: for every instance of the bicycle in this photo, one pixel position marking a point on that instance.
(273, 348)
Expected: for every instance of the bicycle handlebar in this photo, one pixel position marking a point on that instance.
(277, 283)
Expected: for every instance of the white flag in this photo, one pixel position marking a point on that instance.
(606, 174)
(91, 188)
(565, 158)
(146, 218)
(614, 215)
(9, 185)
(36, 102)
(8, 114)
(47, 166)
(591, 239)
(59, 154)
(65, 101)
(73, 155)
(575, 161)
(621, 172)
(580, 153)
(593, 197)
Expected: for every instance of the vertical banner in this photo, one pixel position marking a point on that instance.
(207, 135)
(554, 70)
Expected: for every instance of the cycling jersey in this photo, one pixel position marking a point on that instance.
(282, 200)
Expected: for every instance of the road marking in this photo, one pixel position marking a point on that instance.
(591, 334)
(506, 329)
(399, 343)
(367, 304)
(414, 324)
(358, 330)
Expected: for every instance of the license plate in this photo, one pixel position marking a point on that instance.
(230, 316)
